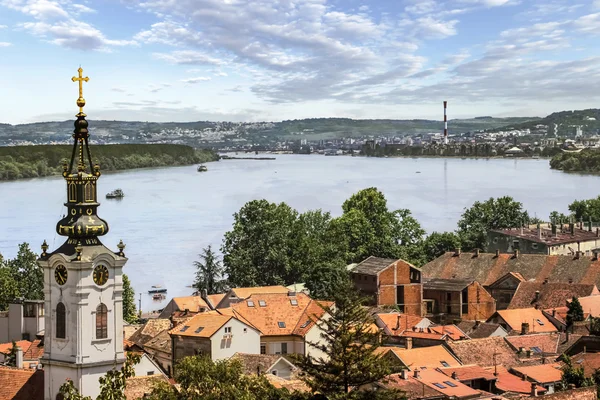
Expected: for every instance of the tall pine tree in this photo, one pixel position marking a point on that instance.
(129, 309)
(350, 344)
(209, 273)
(575, 312)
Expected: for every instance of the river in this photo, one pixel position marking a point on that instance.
(170, 214)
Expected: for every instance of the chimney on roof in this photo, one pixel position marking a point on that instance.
(417, 373)
(204, 294)
(409, 343)
(545, 280)
(516, 253)
(457, 252)
(572, 228)
(554, 230)
(597, 232)
(497, 253)
(404, 374)
(590, 225)
(570, 280)
(19, 357)
(537, 296)
(525, 328)
(397, 323)
(477, 323)
(454, 376)
(521, 350)
(476, 252)
(539, 228)
(534, 392)
(554, 312)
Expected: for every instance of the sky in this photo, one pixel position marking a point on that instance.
(273, 60)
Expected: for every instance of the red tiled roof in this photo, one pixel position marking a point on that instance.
(449, 387)
(452, 331)
(21, 384)
(589, 361)
(543, 373)
(429, 357)
(546, 342)
(508, 382)
(35, 351)
(535, 318)
(549, 295)
(389, 321)
(469, 372)
(6, 347)
(412, 388)
(484, 351)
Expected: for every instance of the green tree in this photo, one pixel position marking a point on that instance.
(476, 221)
(255, 251)
(557, 218)
(112, 385)
(575, 311)
(8, 287)
(437, 244)
(11, 357)
(129, 309)
(209, 273)
(200, 378)
(586, 209)
(572, 375)
(28, 276)
(351, 345)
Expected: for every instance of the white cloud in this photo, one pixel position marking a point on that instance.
(5, 44)
(3, 26)
(80, 8)
(118, 90)
(187, 57)
(196, 80)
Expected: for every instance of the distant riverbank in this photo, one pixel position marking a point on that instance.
(24, 162)
(584, 162)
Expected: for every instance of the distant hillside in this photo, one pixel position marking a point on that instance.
(566, 122)
(203, 133)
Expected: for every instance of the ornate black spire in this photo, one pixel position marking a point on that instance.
(81, 223)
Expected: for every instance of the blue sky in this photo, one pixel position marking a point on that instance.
(256, 60)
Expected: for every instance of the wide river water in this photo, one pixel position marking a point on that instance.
(170, 214)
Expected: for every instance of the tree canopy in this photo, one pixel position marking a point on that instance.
(209, 273)
(575, 311)
(129, 309)
(476, 221)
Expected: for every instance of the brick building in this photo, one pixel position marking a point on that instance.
(390, 282)
(449, 299)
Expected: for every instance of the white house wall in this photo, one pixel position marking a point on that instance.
(247, 341)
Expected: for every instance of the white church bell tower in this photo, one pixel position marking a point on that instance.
(83, 283)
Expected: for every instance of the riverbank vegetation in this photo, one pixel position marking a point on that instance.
(585, 161)
(452, 150)
(18, 162)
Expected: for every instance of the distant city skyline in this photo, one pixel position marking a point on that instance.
(267, 60)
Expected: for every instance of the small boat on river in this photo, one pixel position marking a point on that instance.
(115, 194)
(202, 168)
(157, 290)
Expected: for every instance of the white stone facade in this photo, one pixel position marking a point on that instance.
(80, 355)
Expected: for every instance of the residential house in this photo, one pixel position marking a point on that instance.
(152, 328)
(590, 362)
(390, 282)
(189, 305)
(504, 289)
(523, 321)
(583, 344)
(584, 393)
(423, 357)
(161, 349)
(411, 387)
(5, 348)
(486, 352)
(479, 330)
(237, 295)
(537, 345)
(547, 295)
(286, 321)
(395, 325)
(474, 376)
(546, 375)
(514, 385)
(21, 384)
(33, 354)
(24, 320)
(565, 240)
(214, 335)
(456, 299)
(147, 367)
(487, 268)
(450, 388)
(270, 364)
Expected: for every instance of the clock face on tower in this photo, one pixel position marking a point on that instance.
(100, 275)
(60, 275)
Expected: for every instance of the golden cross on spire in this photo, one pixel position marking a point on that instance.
(81, 79)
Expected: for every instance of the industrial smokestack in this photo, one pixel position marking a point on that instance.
(445, 123)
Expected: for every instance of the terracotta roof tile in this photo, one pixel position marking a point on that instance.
(293, 385)
(448, 386)
(373, 265)
(589, 361)
(539, 342)
(389, 321)
(6, 347)
(35, 351)
(453, 331)
(551, 294)
(191, 303)
(430, 357)
(469, 372)
(279, 313)
(21, 384)
(481, 351)
(585, 393)
(508, 382)
(535, 318)
(253, 363)
(423, 335)
(138, 386)
(412, 388)
(215, 299)
(244, 293)
(129, 330)
(149, 330)
(201, 325)
(162, 342)
(487, 268)
(544, 373)
(479, 330)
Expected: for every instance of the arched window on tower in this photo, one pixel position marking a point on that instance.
(101, 322)
(61, 321)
